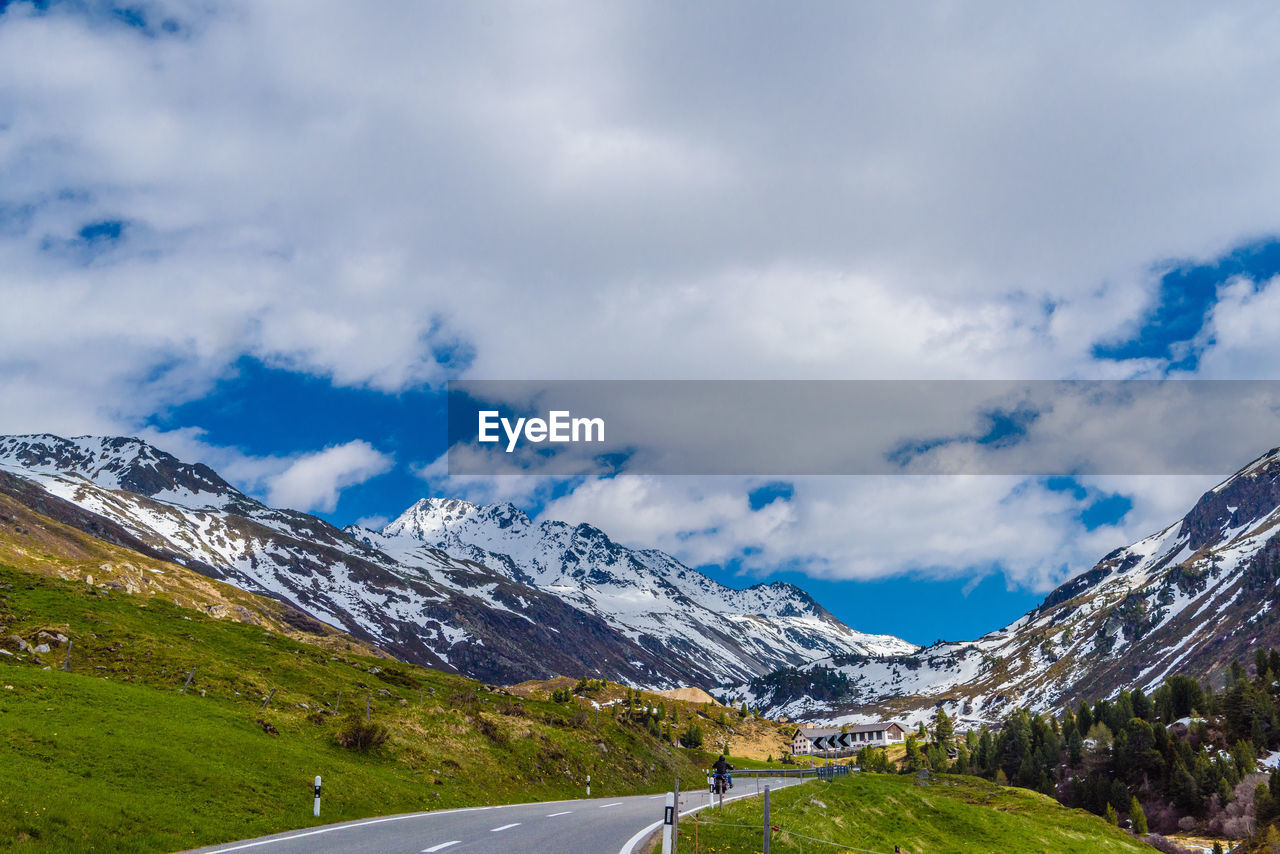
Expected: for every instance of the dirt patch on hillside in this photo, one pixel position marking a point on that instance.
(689, 695)
(541, 688)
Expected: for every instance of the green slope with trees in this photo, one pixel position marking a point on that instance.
(1183, 760)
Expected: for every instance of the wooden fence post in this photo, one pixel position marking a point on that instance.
(766, 820)
(675, 819)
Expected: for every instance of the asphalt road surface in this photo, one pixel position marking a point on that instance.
(591, 826)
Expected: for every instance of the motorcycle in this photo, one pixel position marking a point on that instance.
(720, 783)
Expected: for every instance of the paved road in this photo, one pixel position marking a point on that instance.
(593, 826)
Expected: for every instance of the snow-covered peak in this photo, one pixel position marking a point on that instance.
(121, 463)
(1270, 458)
(648, 591)
(433, 519)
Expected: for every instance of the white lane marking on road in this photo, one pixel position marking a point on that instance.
(440, 847)
(655, 797)
(504, 827)
(349, 826)
(614, 804)
(554, 814)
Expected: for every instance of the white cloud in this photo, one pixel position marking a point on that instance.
(1241, 336)
(314, 481)
(877, 527)
(625, 191)
(304, 481)
(629, 190)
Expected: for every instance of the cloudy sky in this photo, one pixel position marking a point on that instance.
(264, 234)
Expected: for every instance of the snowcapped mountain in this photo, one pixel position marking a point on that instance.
(481, 590)
(652, 598)
(1188, 599)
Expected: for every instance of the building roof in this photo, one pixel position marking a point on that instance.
(875, 727)
(819, 731)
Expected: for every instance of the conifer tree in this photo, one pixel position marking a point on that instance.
(1084, 719)
(1137, 817)
(943, 731)
(915, 758)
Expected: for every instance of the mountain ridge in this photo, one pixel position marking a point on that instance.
(1189, 599)
(474, 606)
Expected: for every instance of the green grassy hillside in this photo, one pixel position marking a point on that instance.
(111, 757)
(873, 812)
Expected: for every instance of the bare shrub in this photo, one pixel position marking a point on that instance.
(463, 701)
(358, 734)
(490, 730)
(1162, 817)
(1168, 846)
(1238, 819)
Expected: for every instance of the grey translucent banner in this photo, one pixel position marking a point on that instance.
(768, 427)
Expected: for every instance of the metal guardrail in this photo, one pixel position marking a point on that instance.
(816, 771)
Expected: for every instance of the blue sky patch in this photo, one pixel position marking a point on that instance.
(136, 17)
(762, 496)
(1105, 510)
(911, 608)
(91, 241)
(1186, 295)
(266, 411)
(1102, 509)
(107, 231)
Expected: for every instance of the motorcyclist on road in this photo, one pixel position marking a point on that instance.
(722, 769)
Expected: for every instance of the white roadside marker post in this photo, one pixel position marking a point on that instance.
(588, 785)
(316, 811)
(668, 823)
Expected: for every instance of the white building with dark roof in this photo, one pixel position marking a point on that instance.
(816, 740)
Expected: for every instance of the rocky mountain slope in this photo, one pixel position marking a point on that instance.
(1188, 599)
(653, 599)
(479, 590)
